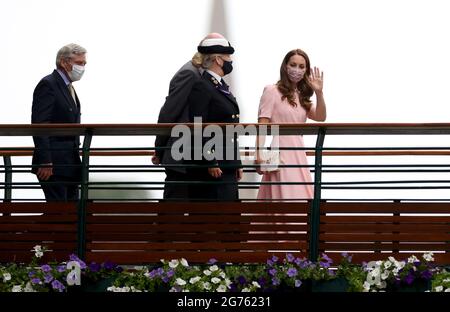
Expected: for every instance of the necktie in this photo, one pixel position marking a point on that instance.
(72, 93)
(224, 87)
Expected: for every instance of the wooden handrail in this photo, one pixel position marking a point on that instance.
(165, 129)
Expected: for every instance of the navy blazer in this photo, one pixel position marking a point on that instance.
(215, 105)
(53, 103)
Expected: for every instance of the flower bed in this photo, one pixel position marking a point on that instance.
(287, 274)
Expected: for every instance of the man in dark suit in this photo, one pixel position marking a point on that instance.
(56, 160)
(212, 101)
(175, 110)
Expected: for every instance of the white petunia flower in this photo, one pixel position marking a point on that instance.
(180, 281)
(221, 288)
(207, 285)
(16, 288)
(387, 264)
(447, 290)
(428, 257)
(222, 274)
(256, 284)
(194, 280)
(213, 268)
(38, 252)
(412, 259)
(29, 288)
(366, 286)
(173, 263)
(245, 290)
(215, 280)
(184, 262)
(438, 288)
(207, 272)
(6, 277)
(384, 275)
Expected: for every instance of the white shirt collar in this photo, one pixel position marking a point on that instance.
(218, 78)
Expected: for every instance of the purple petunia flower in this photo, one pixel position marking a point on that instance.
(241, 280)
(153, 274)
(292, 272)
(31, 273)
(290, 258)
(36, 280)
(262, 282)
(272, 272)
(409, 279)
(74, 257)
(427, 274)
(46, 268)
(233, 287)
(269, 262)
(160, 271)
(61, 268)
(170, 273)
(108, 265)
(94, 267)
(57, 285)
(212, 261)
(48, 278)
(274, 259)
(326, 258)
(275, 281)
(165, 279)
(324, 264)
(298, 283)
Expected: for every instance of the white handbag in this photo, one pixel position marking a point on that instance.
(269, 160)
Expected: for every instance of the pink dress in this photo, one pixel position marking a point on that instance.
(271, 106)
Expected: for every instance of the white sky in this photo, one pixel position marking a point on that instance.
(384, 60)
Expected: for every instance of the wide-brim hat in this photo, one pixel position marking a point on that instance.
(215, 46)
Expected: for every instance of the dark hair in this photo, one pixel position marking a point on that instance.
(285, 86)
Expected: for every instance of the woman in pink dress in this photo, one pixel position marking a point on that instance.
(288, 101)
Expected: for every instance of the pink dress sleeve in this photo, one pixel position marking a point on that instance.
(267, 102)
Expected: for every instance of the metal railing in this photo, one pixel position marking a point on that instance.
(320, 130)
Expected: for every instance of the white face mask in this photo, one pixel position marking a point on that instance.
(295, 74)
(76, 73)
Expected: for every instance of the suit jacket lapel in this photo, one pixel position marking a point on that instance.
(215, 84)
(65, 91)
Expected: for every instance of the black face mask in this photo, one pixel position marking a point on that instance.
(227, 67)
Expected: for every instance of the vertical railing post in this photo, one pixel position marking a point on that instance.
(314, 213)
(84, 195)
(7, 196)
